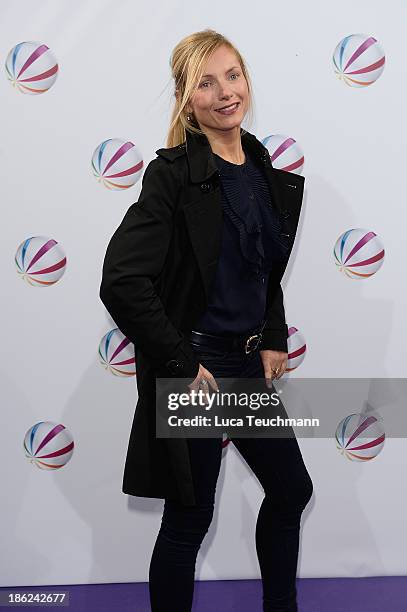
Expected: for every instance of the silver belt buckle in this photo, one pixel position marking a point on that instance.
(247, 347)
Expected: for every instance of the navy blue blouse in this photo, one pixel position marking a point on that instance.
(251, 242)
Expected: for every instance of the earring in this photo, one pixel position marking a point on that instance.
(188, 117)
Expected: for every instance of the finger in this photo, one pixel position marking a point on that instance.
(212, 381)
(268, 375)
(283, 368)
(268, 369)
(194, 385)
(276, 370)
(269, 382)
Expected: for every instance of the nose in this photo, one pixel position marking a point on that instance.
(224, 95)
(225, 91)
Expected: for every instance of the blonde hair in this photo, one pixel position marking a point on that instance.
(187, 63)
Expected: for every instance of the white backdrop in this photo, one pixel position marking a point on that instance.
(75, 525)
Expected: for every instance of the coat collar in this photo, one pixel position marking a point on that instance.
(200, 158)
(201, 162)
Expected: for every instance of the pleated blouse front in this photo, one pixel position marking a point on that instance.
(251, 242)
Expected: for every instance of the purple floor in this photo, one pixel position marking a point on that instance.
(378, 594)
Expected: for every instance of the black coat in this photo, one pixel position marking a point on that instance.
(156, 279)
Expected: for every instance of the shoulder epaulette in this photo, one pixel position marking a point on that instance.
(172, 153)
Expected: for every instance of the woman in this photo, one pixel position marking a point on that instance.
(192, 277)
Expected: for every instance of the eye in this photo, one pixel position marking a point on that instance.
(201, 86)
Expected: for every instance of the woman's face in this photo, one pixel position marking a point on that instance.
(222, 84)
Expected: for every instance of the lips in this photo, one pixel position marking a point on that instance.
(228, 107)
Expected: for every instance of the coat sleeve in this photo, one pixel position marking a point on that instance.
(275, 332)
(134, 259)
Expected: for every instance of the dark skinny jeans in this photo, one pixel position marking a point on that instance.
(279, 467)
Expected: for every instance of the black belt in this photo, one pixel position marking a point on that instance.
(249, 341)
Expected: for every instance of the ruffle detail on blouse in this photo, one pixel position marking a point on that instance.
(256, 220)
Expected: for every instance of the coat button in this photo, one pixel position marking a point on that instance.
(205, 187)
(285, 214)
(251, 196)
(174, 366)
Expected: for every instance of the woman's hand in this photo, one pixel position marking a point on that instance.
(203, 373)
(274, 363)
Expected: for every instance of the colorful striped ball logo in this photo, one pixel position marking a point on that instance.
(285, 153)
(117, 164)
(116, 354)
(358, 60)
(31, 67)
(48, 445)
(358, 253)
(296, 349)
(40, 261)
(360, 437)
